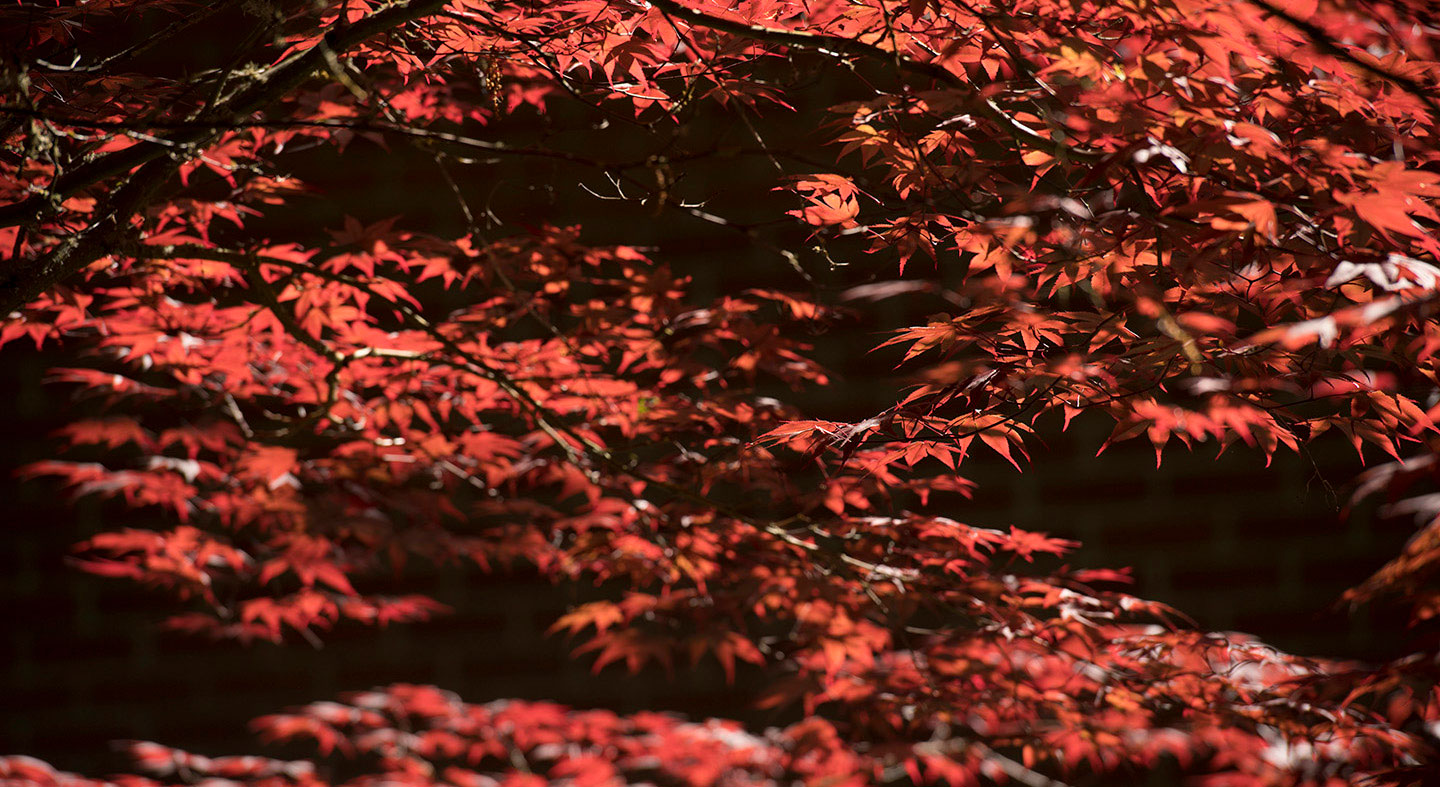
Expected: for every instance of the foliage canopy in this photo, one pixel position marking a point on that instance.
(1211, 221)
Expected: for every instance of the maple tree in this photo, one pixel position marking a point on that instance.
(1210, 221)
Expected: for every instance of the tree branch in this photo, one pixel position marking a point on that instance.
(840, 46)
(1325, 43)
(21, 280)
